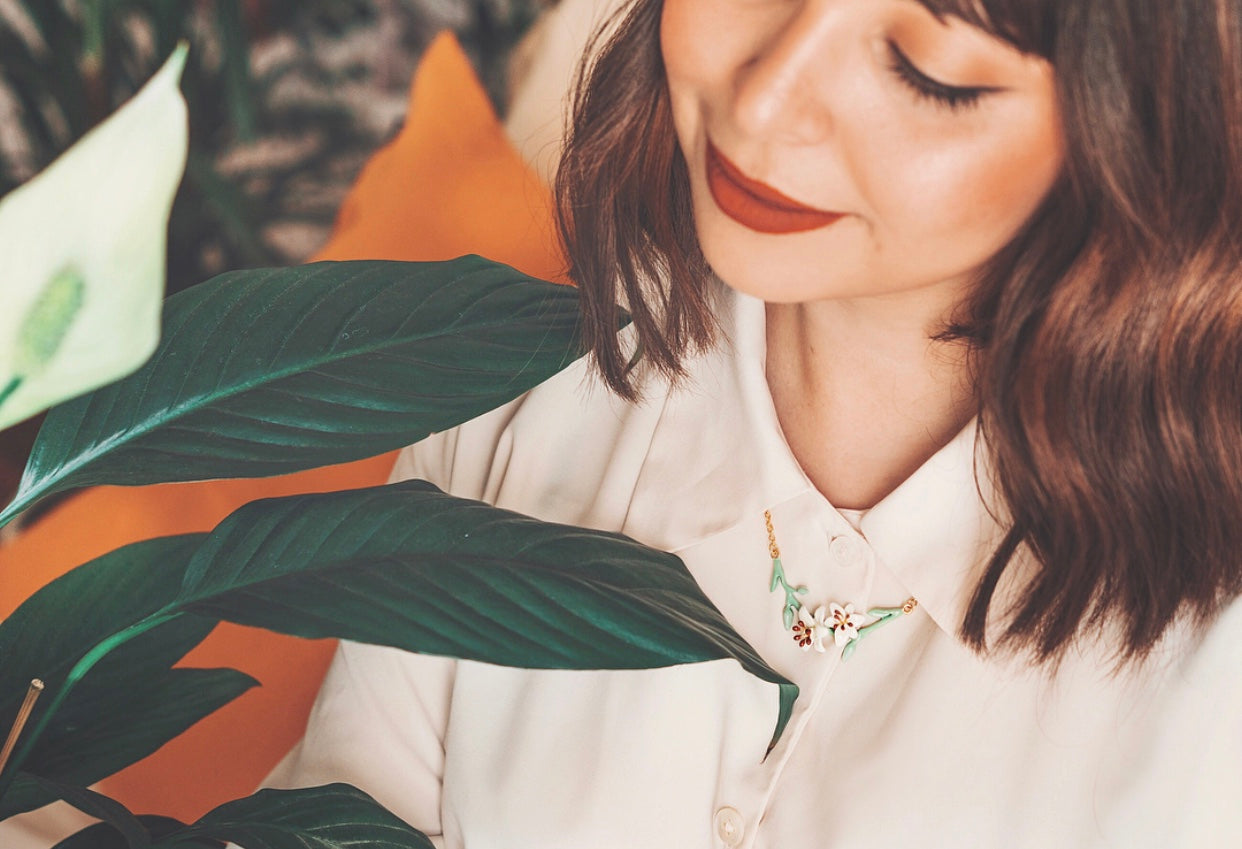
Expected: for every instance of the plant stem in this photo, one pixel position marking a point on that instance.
(237, 83)
(23, 714)
(76, 674)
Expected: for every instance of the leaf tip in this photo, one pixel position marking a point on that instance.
(176, 61)
(788, 695)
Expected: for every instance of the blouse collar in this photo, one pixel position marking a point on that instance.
(934, 531)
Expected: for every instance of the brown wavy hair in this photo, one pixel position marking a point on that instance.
(1106, 337)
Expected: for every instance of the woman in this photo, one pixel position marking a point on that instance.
(973, 374)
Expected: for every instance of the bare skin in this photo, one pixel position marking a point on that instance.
(862, 405)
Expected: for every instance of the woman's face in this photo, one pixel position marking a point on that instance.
(845, 148)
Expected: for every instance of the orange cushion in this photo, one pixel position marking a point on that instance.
(449, 184)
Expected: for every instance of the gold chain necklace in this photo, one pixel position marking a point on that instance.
(811, 629)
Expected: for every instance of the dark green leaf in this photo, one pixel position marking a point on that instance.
(56, 626)
(229, 205)
(335, 816)
(101, 807)
(113, 716)
(88, 740)
(24, 794)
(104, 836)
(408, 566)
(91, 739)
(273, 371)
(238, 85)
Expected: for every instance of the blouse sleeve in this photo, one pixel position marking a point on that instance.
(379, 724)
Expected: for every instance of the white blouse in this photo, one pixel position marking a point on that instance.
(914, 741)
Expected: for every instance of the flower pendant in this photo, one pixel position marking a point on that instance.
(839, 623)
(842, 623)
(811, 629)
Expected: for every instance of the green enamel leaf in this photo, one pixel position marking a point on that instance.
(273, 371)
(82, 245)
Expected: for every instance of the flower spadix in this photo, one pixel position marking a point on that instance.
(82, 252)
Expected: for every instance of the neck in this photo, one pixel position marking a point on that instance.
(864, 396)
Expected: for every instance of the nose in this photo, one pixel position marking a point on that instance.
(779, 93)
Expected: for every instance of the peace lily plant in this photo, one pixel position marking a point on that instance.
(262, 373)
(83, 249)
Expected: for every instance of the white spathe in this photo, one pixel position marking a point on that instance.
(82, 252)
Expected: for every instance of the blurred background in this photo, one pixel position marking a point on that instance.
(287, 99)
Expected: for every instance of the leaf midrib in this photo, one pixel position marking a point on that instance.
(186, 407)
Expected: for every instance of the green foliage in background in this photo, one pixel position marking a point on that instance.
(67, 64)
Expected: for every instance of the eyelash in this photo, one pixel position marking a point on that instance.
(924, 87)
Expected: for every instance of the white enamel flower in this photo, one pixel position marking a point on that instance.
(844, 622)
(811, 629)
(83, 250)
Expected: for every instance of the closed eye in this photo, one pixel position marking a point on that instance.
(926, 88)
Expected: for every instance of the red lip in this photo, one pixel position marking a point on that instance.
(757, 205)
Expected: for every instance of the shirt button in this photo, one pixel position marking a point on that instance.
(846, 551)
(730, 827)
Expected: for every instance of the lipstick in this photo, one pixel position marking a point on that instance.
(757, 205)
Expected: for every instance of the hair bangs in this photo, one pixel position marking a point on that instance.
(1028, 25)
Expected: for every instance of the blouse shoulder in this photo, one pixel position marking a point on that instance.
(1215, 663)
(568, 450)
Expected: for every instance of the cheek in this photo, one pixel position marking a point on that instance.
(684, 62)
(965, 201)
(684, 45)
(1007, 184)
(703, 43)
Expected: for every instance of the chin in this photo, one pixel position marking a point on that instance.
(793, 268)
(776, 290)
(772, 277)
